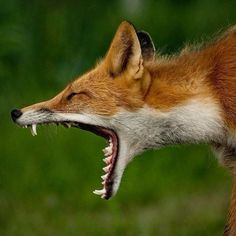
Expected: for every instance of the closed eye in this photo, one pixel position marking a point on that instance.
(71, 95)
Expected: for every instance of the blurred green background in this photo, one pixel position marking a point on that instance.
(46, 182)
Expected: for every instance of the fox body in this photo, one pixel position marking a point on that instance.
(140, 100)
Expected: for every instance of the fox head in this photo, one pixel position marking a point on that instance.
(113, 100)
(97, 100)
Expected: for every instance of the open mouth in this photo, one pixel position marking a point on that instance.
(110, 152)
(110, 157)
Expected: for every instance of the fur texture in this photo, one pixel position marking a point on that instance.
(152, 101)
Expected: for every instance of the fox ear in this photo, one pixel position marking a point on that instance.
(125, 53)
(147, 45)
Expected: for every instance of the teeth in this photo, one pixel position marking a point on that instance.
(103, 182)
(106, 169)
(33, 129)
(104, 176)
(106, 154)
(68, 125)
(99, 192)
(107, 160)
(107, 151)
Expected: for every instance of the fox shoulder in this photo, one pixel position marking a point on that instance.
(223, 73)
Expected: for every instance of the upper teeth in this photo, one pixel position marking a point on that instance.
(33, 129)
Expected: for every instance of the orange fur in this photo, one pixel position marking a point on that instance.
(165, 82)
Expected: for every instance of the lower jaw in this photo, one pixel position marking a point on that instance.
(108, 183)
(113, 140)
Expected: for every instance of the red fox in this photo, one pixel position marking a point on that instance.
(139, 100)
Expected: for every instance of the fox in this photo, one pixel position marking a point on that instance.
(138, 99)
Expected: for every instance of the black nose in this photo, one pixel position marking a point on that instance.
(15, 114)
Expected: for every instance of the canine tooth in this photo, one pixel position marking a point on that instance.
(106, 169)
(104, 176)
(33, 129)
(99, 192)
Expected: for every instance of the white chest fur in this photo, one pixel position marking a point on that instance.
(195, 121)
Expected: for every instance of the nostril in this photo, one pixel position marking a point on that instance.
(15, 114)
